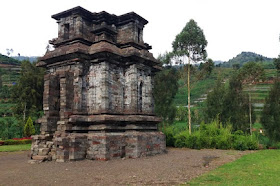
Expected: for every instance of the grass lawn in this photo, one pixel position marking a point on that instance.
(260, 168)
(12, 148)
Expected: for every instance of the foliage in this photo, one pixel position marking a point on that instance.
(205, 69)
(270, 118)
(28, 92)
(190, 42)
(10, 128)
(260, 168)
(244, 142)
(5, 92)
(236, 104)
(17, 142)
(212, 135)
(276, 63)
(29, 128)
(251, 73)
(229, 104)
(215, 101)
(12, 148)
(165, 89)
(8, 60)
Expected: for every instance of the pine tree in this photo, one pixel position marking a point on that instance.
(271, 113)
(235, 105)
(214, 102)
(29, 128)
(165, 89)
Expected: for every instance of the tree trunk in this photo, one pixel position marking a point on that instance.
(24, 111)
(189, 97)
(250, 111)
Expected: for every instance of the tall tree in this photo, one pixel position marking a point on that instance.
(165, 89)
(270, 118)
(235, 105)
(28, 91)
(214, 102)
(277, 64)
(251, 73)
(190, 45)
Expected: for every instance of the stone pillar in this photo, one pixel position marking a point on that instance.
(104, 87)
(77, 100)
(66, 100)
(50, 104)
(130, 103)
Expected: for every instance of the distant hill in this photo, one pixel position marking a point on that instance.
(29, 58)
(245, 57)
(8, 60)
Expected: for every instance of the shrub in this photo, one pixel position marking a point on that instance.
(212, 135)
(277, 145)
(29, 128)
(193, 141)
(17, 142)
(170, 139)
(252, 142)
(245, 142)
(181, 139)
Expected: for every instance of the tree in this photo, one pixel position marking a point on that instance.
(276, 63)
(251, 73)
(235, 105)
(214, 102)
(190, 44)
(270, 118)
(165, 89)
(29, 128)
(206, 68)
(28, 91)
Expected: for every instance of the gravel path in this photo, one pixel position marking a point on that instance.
(175, 167)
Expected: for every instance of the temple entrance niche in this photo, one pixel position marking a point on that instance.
(98, 87)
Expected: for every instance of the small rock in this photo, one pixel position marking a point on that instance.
(32, 161)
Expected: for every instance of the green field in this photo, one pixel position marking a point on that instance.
(12, 148)
(260, 168)
(199, 88)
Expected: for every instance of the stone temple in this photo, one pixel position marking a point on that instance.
(98, 90)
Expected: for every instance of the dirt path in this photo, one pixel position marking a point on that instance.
(175, 167)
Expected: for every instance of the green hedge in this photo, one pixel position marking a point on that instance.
(212, 135)
(17, 142)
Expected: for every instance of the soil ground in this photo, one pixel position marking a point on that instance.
(175, 167)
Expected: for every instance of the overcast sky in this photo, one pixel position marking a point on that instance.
(230, 26)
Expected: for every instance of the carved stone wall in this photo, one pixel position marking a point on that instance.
(98, 101)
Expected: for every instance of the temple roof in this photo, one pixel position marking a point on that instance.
(101, 16)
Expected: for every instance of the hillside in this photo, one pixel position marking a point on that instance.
(28, 58)
(8, 60)
(9, 70)
(245, 57)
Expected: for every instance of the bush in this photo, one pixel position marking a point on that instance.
(181, 139)
(193, 141)
(170, 139)
(17, 142)
(29, 128)
(212, 135)
(245, 142)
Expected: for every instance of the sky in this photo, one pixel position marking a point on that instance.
(230, 26)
